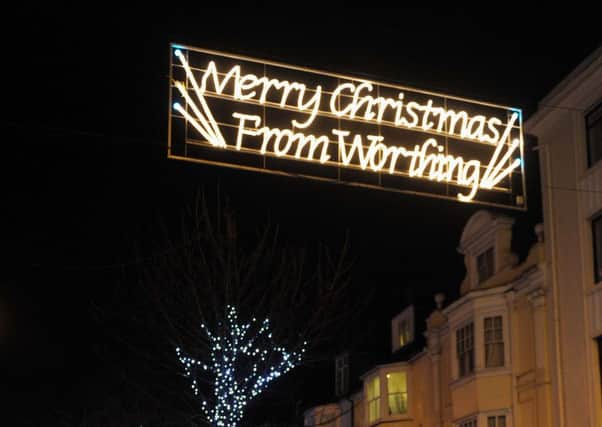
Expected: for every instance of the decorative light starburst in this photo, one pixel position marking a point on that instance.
(243, 361)
(203, 120)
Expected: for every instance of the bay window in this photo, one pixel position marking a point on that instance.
(386, 393)
(496, 421)
(465, 349)
(373, 399)
(494, 342)
(397, 392)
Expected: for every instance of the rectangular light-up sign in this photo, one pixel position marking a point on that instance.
(251, 114)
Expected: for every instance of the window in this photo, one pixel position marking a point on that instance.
(341, 381)
(465, 349)
(494, 342)
(373, 399)
(593, 126)
(404, 332)
(485, 265)
(599, 339)
(402, 329)
(397, 392)
(496, 421)
(597, 239)
(468, 423)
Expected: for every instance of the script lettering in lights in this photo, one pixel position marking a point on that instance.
(240, 112)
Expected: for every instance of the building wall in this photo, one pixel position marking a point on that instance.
(572, 194)
(422, 391)
(444, 363)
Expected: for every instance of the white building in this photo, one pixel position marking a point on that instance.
(568, 125)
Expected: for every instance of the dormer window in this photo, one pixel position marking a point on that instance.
(404, 332)
(486, 246)
(485, 265)
(402, 329)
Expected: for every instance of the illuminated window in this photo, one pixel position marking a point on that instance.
(468, 423)
(404, 332)
(465, 349)
(341, 386)
(597, 240)
(397, 392)
(496, 421)
(494, 342)
(485, 265)
(373, 399)
(593, 124)
(402, 328)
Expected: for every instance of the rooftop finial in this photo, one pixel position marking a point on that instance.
(439, 298)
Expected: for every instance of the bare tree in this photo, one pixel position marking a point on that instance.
(241, 310)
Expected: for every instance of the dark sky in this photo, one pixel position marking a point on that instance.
(84, 171)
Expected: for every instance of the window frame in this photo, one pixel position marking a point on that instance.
(491, 267)
(405, 332)
(375, 399)
(381, 410)
(462, 373)
(494, 341)
(405, 394)
(595, 253)
(406, 315)
(496, 420)
(597, 108)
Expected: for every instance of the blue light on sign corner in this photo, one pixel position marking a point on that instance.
(520, 161)
(176, 105)
(177, 52)
(518, 111)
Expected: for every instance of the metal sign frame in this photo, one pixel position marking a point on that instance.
(508, 192)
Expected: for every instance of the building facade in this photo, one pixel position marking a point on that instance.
(485, 362)
(568, 126)
(522, 346)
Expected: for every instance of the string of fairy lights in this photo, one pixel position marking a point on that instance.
(243, 361)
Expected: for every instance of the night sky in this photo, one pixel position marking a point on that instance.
(85, 175)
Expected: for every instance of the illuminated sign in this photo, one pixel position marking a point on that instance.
(246, 113)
